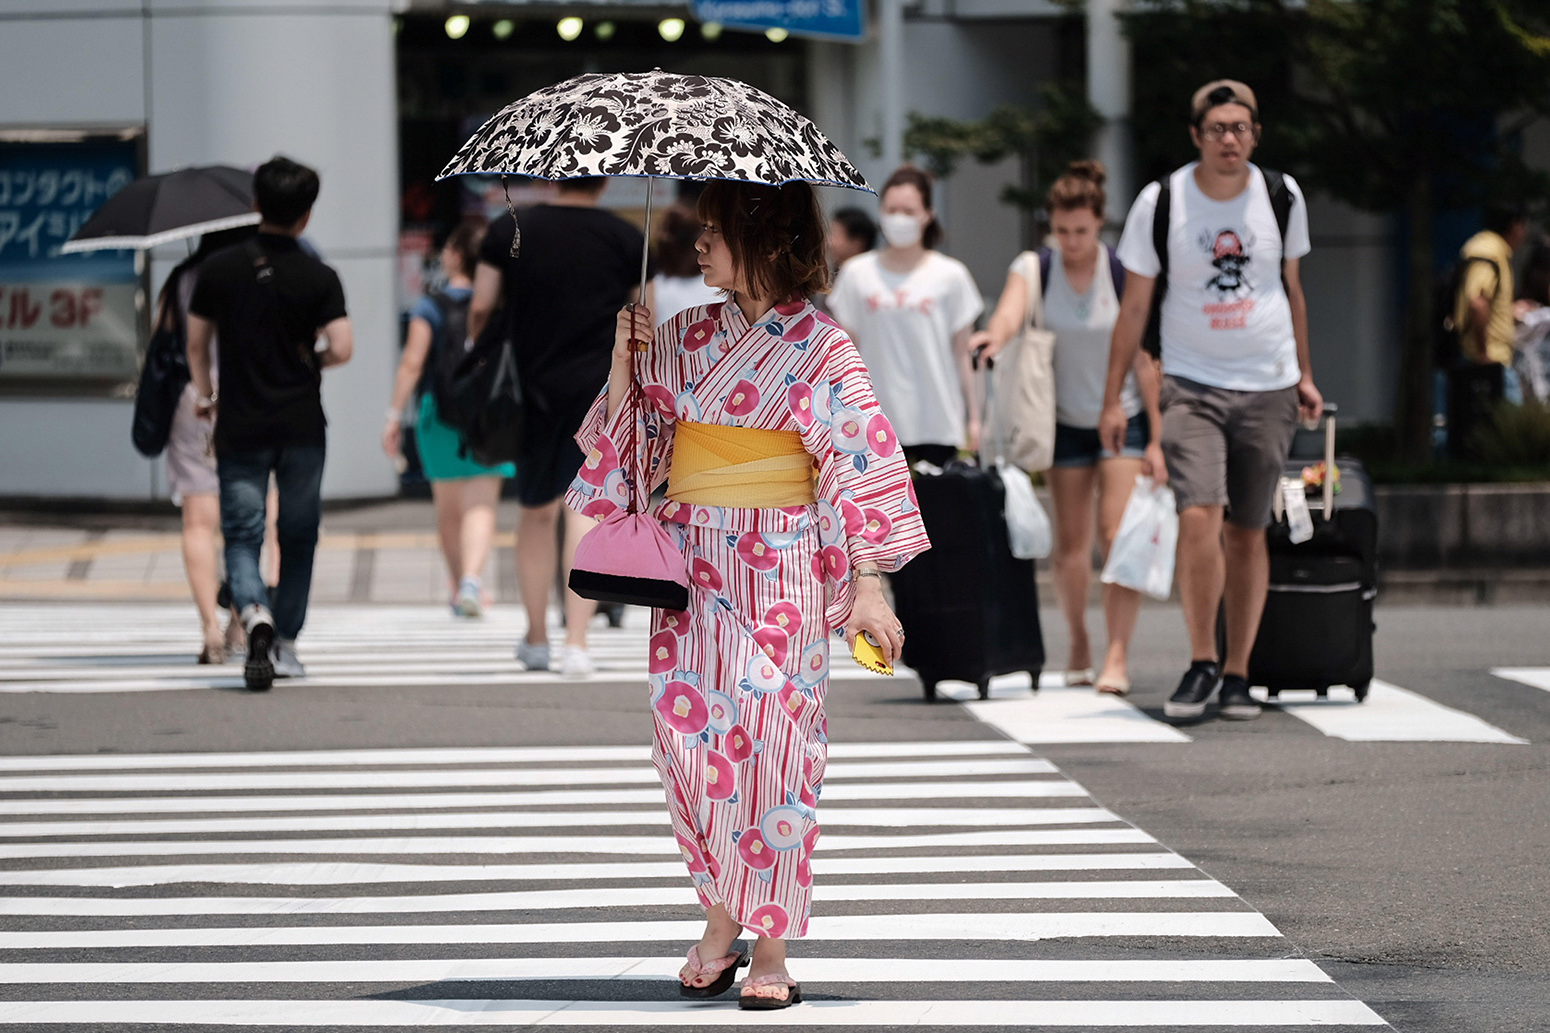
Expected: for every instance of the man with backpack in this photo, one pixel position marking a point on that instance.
(1211, 255)
(269, 301)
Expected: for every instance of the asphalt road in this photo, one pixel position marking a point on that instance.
(1414, 873)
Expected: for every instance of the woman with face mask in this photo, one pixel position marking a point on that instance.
(910, 310)
(1081, 282)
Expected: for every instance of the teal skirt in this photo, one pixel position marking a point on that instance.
(438, 445)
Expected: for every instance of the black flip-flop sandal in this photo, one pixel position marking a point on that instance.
(748, 1002)
(723, 981)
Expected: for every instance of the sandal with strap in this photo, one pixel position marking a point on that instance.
(764, 1002)
(724, 969)
(1114, 686)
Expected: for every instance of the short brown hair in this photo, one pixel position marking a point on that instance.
(921, 180)
(775, 234)
(464, 240)
(1080, 187)
(676, 229)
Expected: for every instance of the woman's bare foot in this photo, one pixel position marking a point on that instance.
(769, 959)
(720, 933)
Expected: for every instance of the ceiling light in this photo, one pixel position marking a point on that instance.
(605, 31)
(711, 30)
(776, 35)
(503, 28)
(671, 29)
(457, 26)
(569, 28)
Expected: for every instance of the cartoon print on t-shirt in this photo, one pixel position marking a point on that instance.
(1230, 256)
(1231, 253)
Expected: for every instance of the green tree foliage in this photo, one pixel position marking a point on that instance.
(1047, 139)
(1388, 105)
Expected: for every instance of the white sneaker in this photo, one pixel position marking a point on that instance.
(258, 669)
(468, 602)
(577, 663)
(286, 663)
(533, 655)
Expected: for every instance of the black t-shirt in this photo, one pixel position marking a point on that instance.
(270, 374)
(575, 270)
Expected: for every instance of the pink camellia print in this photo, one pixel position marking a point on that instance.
(698, 335)
(784, 615)
(799, 399)
(692, 855)
(769, 920)
(683, 708)
(754, 851)
(660, 398)
(880, 436)
(600, 462)
(849, 431)
(775, 643)
(742, 399)
(801, 330)
(705, 574)
(754, 550)
(662, 653)
(720, 776)
(738, 744)
(877, 526)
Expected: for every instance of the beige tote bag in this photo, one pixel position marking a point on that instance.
(1025, 379)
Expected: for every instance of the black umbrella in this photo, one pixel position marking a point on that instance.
(171, 206)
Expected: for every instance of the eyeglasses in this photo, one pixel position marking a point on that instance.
(1218, 130)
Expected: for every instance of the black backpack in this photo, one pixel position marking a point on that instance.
(162, 380)
(1116, 269)
(484, 397)
(1281, 200)
(447, 352)
(1448, 335)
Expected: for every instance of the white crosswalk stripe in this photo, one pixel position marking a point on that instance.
(107, 647)
(975, 887)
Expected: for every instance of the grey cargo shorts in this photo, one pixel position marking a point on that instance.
(1227, 448)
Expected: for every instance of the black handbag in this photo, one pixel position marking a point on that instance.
(484, 400)
(162, 379)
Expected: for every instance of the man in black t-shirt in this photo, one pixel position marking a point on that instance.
(577, 265)
(269, 300)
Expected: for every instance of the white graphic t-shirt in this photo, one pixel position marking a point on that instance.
(903, 324)
(1226, 321)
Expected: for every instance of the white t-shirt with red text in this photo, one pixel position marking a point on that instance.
(1226, 321)
(903, 324)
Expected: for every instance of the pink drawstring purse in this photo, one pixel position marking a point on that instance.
(629, 557)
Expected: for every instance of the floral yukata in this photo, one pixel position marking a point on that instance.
(738, 680)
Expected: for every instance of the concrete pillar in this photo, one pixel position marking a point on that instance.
(1108, 90)
(890, 32)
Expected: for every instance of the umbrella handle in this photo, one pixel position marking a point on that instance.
(645, 251)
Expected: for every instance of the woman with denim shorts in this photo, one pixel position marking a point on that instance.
(1081, 287)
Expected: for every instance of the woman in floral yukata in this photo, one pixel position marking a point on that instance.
(789, 496)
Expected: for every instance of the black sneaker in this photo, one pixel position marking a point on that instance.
(258, 671)
(1235, 701)
(1188, 702)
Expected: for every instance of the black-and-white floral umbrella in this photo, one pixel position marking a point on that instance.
(654, 124)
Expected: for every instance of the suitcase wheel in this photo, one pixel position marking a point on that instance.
(928, 686)
(1273, 693)
(1361, 691)
(1323, 692)
(984, 687)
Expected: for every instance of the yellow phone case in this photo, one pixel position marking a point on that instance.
(869, 655)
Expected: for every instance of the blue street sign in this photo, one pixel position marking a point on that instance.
(823, 19)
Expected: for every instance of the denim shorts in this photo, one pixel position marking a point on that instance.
(1079, 446)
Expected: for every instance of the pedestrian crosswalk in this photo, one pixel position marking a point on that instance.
(959, 884)
(102, 648)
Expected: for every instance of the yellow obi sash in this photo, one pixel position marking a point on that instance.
(739, 467)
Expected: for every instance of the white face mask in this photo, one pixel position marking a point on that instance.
(901, 230)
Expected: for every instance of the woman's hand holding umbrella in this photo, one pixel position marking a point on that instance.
(632, 334)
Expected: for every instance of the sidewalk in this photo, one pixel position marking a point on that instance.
(386, 553)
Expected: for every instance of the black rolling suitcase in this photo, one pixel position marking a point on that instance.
(1318, 625)
(970, 608)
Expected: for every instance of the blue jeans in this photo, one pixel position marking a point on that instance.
(298, 471)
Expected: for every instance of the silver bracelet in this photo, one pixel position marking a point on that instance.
(870, 573)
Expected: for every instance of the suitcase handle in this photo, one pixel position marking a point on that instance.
(1330, 409)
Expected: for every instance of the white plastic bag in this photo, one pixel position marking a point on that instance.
(1142, 556)
(1026, 523)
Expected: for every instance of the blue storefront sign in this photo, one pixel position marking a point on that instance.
(63, 316)
(822, 19)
